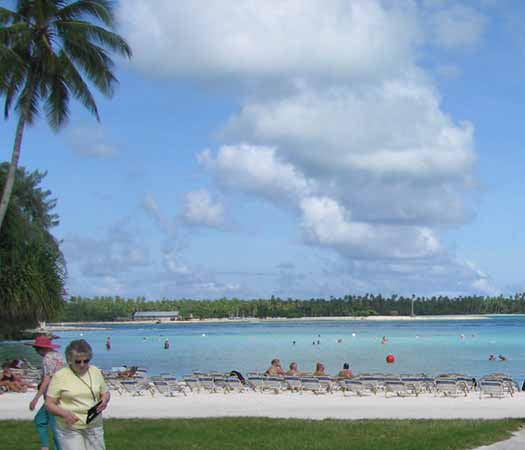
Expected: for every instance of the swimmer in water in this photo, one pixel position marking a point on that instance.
(502, 357)
(492, 358)
(384, 340)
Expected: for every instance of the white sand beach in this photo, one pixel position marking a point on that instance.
(83, 326)
(292, 405)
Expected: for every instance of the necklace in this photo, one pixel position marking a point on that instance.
(89, 386)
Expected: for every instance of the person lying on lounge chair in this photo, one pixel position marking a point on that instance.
(275, 369)
(345, 372)
(13, 382)
(128, 373)
(319, 370)
(293, 371)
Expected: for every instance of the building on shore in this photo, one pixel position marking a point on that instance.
(156, 315)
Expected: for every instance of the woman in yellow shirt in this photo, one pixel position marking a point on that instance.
(77, 395)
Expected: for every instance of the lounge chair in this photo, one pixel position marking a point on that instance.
(256, 382)
(133, 388)
(449, 387)
(327, 383)
(275, 384)
(293, 383)
(174, 385)
(374, 382)
(312, 384)
(351, 385)
(400, 388)
(491, 388)
(208, 384)
(233, 384)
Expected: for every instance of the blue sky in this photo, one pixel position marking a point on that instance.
(299, 149)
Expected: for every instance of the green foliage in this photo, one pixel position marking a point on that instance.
(114, 308)
(46, 46)
(32, 267)
(283, 434)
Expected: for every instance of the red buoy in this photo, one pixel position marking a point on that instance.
(390, 359)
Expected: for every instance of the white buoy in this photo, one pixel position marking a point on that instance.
(204, 334)
(353, 334)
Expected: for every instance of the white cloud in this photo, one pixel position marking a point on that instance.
(392, 129)
(337, 123)
(268, 39)
(256, 170)
(326, 223)
(199, 209)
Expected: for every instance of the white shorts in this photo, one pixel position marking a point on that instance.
(85, 439)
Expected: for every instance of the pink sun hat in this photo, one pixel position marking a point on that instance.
(44, 342)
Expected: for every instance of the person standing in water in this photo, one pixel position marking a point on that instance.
(166, 344)
(108, 344)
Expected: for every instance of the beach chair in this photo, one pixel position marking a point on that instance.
(161, 387)
(491, 388)
(174, 385)
(219, 381)
(293, 383)
(374, 382)
(233, 384)
(351, 385)
(133, 388)
(192, 383)
(115, 386)
(312, 384)
(400, 388)
(207, 383)
(418, 383)
(256, 382)
(327, 383)
(449, 387)
(509, 385)
(275, 384)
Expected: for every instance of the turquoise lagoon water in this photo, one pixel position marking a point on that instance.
(432, 347)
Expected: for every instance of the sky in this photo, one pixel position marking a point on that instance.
(297, 148)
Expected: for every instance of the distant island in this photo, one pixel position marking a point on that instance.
(112, 309)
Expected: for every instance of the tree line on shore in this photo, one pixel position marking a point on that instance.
(117, 308)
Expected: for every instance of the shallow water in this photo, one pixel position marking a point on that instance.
(432, 347)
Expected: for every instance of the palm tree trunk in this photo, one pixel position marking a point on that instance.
(10, 180)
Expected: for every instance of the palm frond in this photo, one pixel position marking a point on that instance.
(28, 99)
(77, 86)
(80, 30)
(12, 67)
(99, 9)
(95, 63)
(56, 104)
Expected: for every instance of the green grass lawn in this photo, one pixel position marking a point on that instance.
(281, 434)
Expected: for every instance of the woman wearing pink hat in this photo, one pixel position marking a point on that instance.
(52, 362)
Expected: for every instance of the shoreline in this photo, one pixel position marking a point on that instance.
(292, 405)
(84, 326)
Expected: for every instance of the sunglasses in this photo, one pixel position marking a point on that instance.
(80, 361)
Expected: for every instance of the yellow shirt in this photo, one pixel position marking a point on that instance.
(77, 394)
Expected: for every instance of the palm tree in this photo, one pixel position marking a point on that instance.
(46, 46)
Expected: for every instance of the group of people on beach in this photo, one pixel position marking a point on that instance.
(276, 369)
